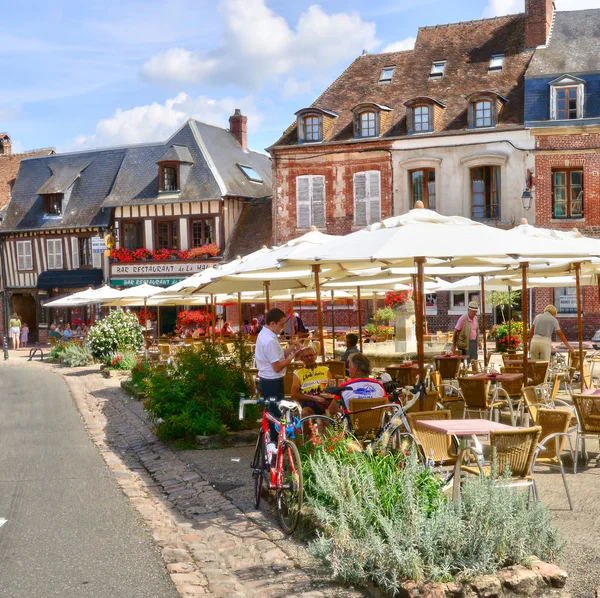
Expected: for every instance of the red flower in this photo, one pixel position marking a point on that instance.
(397, 298)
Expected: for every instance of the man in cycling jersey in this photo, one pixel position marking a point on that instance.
(310, 380)
(361, 386)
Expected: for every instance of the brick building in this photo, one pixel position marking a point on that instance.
(562, 111)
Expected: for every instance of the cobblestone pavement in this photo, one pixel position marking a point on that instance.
(210, 547)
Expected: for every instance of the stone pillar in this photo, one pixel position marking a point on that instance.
(405, 338)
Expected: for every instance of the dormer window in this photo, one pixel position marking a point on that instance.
(314, 124)
(496, 63)
(387, 72)
(422, 113)
(483, 113)
(370, 119)
(53, 204)
(484, 108)
(312, 128)
(567, 95)
(437, 69)
(173, 168)
(170, 178)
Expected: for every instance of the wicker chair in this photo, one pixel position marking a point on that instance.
(403, 376)
(447, 367)
(436, 446)
(555, 425)
(428, 403)
(515, 450)
(446, 392)
(337, 368)
(366, 422)
(475, 394)
(164, 351)
(512, 357)
(538, 371)
(588, 415)
(573, 370)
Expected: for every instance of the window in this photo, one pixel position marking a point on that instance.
(24, 255)
(485, 192)
(567, 194)
(496, 63)
(421, 119)
(483, 113)
(566, 103)
(250, 173)
(312, 128)
(438, 68)
(133, 234)
(460, 299)
(368, 124)
(422, 187)
(170, 178)
(85, 251)
(431, 304)
(166, 234)
(565, 299)
(55, 254)
(53, 204)
(203, 232)
(367, 198)
(310, 201)
(387, 72)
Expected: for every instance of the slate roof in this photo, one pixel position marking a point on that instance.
(253, 229)
(467, 48)
(574, 45)
(63, 175)
(177, 153)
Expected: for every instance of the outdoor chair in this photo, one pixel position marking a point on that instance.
(555, 425)
(287, 382)
(366, 422)
(52, 340)
(512, 357)
(446, 392)
(164, 350)
(475, 394)
(436, 446)
(513, 450)
(537, 372)
(573, 371)
(448, 368)
(551, 389)
(403, 376)
(427, 403)
(588, 418)
(337, 368)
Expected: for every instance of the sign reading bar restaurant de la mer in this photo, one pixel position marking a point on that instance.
(164, 269)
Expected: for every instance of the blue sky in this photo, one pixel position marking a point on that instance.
(102, 73)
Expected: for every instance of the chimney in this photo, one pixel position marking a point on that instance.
(5, 145)
(538, 19)
(238, 126)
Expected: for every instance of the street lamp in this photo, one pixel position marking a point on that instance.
(526, 198)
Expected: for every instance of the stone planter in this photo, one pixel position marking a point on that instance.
(405, 338)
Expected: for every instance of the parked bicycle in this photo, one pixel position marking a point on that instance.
(276, 464)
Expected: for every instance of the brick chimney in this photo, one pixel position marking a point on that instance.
(238, 126)
(5, 145)
(538, 19)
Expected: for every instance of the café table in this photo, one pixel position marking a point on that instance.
(448, 365)
(590, 391)
(466, 431)
(497, 379)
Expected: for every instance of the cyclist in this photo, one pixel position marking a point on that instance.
(310, 380)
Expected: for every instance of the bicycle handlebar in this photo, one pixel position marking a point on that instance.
(290, 405)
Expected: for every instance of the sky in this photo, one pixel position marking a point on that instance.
(80, 75)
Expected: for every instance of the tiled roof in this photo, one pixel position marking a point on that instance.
(253, 229)
(467, 48)
(574, 45)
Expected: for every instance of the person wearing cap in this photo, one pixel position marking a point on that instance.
(466, 332)
(310, 380)
(543, 327)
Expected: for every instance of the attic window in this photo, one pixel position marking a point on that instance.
(496, 63)
(250, 173)
(437, 68)
(387, 72)
(53, 204)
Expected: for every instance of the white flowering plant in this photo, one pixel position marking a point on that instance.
(118, 332)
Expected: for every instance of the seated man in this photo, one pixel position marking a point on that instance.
(351, 342)
(312, 378)
(362, 387)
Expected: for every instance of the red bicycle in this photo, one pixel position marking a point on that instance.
(277, 464)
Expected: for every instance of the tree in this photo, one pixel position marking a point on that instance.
(503, 299)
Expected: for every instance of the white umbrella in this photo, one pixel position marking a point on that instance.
(86, 297)
(134, 296)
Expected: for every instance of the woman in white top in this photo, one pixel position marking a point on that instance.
(543, 327)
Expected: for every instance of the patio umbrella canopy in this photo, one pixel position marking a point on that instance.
(86, 297)
(134, 296)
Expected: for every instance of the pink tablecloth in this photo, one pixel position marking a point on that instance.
(463, 427)
(591, 391)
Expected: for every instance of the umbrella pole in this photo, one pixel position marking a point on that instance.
(267, 296)
(145, 331)
(348, 314)
(360, 335)
(332, 324)
(212, 311)
(292, 319)
(483, 322)
(579, 323)
(316, 269)
(525, 319)
(419, 261)
(240, 314)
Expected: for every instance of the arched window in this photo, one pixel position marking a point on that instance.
(368, 124)
(482, 110)
(312, 128)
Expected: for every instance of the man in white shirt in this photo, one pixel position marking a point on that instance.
(272, 359)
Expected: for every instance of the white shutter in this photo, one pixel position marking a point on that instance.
(97, 259)
(303, 201)
(50, 252)
(360, 199)
(28, 255)
(318, 201)
(374, 195)
(55, 256)
(75, 252)
(20, 255)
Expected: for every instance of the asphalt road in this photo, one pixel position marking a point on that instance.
(69, 530)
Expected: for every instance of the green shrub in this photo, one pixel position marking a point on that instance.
(119, 331)
(58, 350)
(385, 314)
(75, 356)
(196, 395)
(125, 360)
(384, 519)
(139, 374)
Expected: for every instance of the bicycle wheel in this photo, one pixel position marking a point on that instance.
(291, 491)
(399, 440)
(259, 466)
(307, 426)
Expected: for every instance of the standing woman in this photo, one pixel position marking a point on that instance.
(542, 329)
(15, 330)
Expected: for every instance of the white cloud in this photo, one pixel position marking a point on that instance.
(404, 44)
(259, 45)
(497, 8)
(157, 122)
(292, 88)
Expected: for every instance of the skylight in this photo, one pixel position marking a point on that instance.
(437, 68)
(497, 62)
(250, 173)
(387, 72)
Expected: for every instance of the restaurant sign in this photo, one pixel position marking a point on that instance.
(165, 268)
(135, 282)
